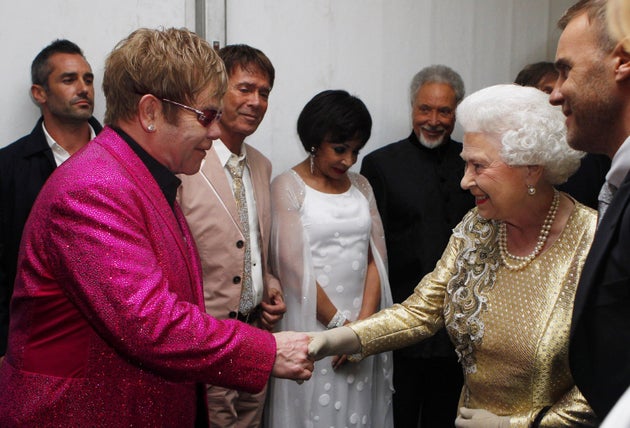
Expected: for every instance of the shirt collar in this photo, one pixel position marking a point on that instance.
(620, 164)
(224, 153)
(56, 147)
(166, 180)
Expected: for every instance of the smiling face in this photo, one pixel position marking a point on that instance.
(433, 113)
(182, 145)
(499, 189)
(69, 93)
(244, 104)
(332, 160)
(585, 87)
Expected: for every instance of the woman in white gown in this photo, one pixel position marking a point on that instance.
(328, 251)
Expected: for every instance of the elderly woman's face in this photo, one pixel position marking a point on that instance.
(499, 189)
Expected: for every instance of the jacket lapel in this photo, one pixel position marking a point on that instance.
(214, 176)
(258, 183)
(146, 184)
(600, 248)
(192, 258)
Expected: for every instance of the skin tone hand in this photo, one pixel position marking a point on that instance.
(480, 418)
(292, 360)
(273, 310)
(371, 300)
(326, 310)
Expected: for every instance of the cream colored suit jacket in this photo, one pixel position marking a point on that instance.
(208, 203)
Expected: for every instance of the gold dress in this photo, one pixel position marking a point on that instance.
(510, 328)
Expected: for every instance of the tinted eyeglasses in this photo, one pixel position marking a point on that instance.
(204, 117)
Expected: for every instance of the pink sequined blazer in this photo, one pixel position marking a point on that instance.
(108, 326)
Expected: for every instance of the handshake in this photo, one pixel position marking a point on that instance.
(297, 352)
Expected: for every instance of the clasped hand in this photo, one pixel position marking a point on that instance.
(337, 341)
(292, 356)
(480, 418)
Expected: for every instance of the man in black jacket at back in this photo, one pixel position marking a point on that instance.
(62, 86)
(416, 183)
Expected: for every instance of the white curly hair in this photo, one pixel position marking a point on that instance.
(531, 131)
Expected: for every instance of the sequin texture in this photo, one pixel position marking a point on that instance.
(511, 328)
(108, 326)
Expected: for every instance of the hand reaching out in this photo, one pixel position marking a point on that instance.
(292, 359)
(337, 341)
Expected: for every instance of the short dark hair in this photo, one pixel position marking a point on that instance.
(247, 58)
(334, 116)
(531, 74)
(40, 67)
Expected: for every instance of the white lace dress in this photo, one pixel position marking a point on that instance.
(336, 230)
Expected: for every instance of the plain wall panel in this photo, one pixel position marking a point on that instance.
(371, 48)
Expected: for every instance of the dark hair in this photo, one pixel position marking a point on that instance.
(247, 58)
(40, 68)
(334, 116)
(531, 74)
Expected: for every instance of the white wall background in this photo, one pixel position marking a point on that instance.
(371, 48)
(27, 26)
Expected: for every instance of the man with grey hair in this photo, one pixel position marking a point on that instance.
(416, 183)
(594, 91)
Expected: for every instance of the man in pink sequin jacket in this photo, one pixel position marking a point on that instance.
(108, 326)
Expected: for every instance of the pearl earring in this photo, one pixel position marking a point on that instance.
(151, 127)
(531, 190)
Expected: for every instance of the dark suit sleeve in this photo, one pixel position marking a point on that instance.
(370, 170)
(5, 286)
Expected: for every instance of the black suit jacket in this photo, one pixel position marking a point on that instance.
(600, 330)
(587, 181)
(420, 201)
(25, 165)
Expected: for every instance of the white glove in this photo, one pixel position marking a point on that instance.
(336, 341)
(479, 418)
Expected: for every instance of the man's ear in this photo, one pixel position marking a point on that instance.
(39, 94)
(148, 112)
(622, 62)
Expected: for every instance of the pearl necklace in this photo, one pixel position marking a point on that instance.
(542, 238)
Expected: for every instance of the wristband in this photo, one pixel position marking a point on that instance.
(336, 321)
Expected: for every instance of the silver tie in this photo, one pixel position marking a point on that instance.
(236, 168)
(605, 197)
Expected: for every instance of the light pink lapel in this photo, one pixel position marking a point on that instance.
(260, 185)
(215, 178)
